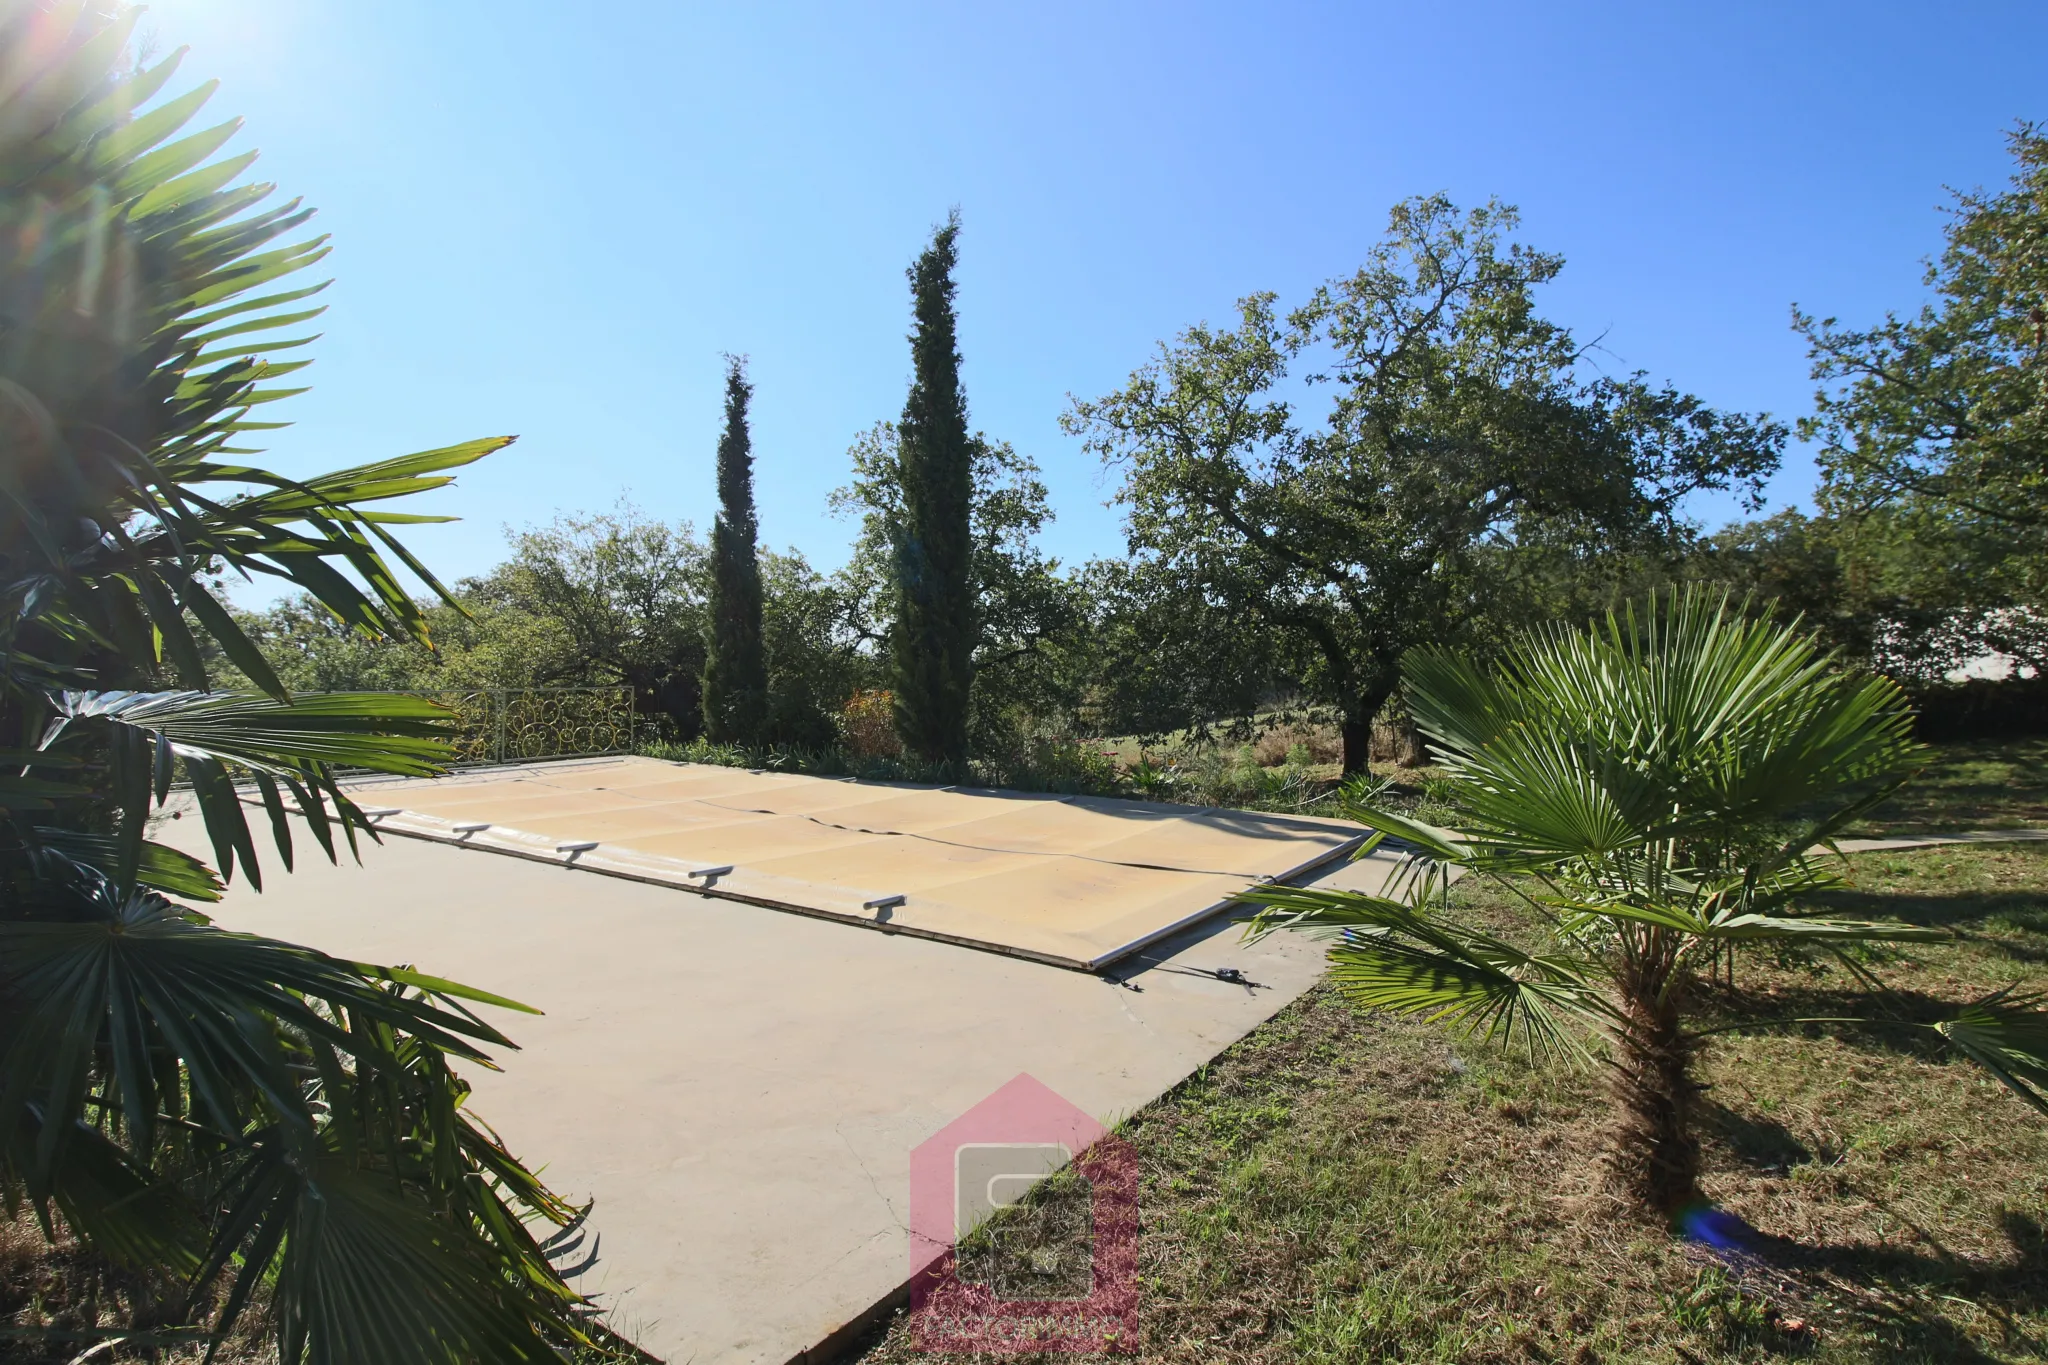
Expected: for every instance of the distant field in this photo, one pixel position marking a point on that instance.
(1974, 784)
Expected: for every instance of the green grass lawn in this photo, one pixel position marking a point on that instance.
(1345, 1187)
(1981, 784)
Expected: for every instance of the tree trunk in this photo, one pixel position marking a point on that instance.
(1656, 1154)
(1357, 743)
(1358, 715)
(1397, 741)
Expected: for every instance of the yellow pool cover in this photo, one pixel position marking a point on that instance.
(1072, 880)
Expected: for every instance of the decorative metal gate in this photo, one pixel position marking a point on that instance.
(509, 725)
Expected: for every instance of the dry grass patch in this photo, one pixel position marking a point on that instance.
(58, 1300)
(1346, 1188)
(60, 1304)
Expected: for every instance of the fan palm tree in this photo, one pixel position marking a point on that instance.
(1660, 790)
(233, 1111)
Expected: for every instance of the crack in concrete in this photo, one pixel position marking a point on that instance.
(873, 1184)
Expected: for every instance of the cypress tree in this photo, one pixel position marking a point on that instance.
(932, 645)
(735, 668)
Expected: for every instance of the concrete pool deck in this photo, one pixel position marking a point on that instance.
(739, 1090)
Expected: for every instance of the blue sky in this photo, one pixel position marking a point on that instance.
(551, 219)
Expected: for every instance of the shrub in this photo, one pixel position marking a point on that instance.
(867, 724)
(1316, 743)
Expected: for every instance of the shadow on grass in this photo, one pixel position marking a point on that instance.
(1896, 1293)
(2015, 913)
(1969, 785)
(1940, 910)
(1945, 807)
(1764, 1144)
(1889, 1021)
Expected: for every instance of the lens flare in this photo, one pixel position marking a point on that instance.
(1715, 1227)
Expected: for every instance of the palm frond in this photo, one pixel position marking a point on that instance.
(359, 1271)
(114, 1201)
(2006, 1033)
(1691, 723)
(156, 1071)
(219, 736)
(1392, 956)
(125, 983)
(158, 866)
(378, 731)
(1746, 927)
(1466, 990)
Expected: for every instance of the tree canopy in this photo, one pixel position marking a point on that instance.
(627, 593)
(1949, 405)
(1933, 436)
(1462, 419)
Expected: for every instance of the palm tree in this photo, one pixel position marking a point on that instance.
(221, 1108)
(1658, 789)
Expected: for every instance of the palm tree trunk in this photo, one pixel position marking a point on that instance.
(1656, 1154)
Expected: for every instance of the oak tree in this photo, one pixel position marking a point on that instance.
(1461, 419)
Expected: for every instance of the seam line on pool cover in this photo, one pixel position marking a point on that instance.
(985, 848)
(954, 843)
